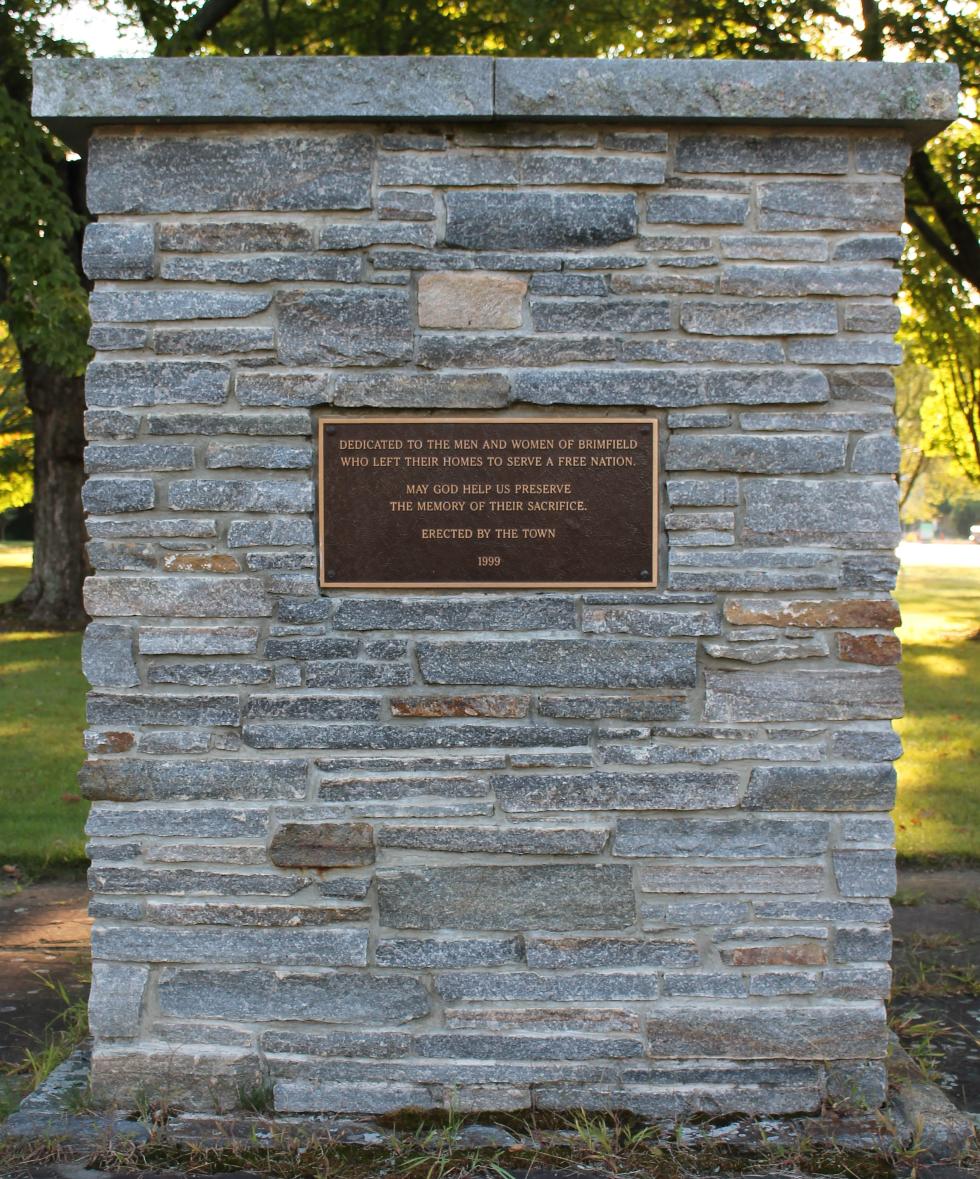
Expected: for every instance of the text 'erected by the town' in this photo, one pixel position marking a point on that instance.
(414, 501)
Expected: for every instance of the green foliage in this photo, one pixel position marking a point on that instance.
(42, 297)
(964, 513)
(941, 328)
(16, 437)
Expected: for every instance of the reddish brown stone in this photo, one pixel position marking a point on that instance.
(322, 845)
(113, 743)
(878, 612)
(799, 955)
(202, 563)
(883, 650)
(505, 707)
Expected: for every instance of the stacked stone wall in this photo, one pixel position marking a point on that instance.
(493, 849)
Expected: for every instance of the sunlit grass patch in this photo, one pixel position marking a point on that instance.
(42, 715)
(938, 811)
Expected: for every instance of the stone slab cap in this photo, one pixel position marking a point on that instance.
(73, 96)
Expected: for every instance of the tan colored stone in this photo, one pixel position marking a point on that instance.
(882, 650)
(322, 845)
(202, 563)
(115, 742)
(804, 955)
(507, 707)
(880, 612)
(470, 300)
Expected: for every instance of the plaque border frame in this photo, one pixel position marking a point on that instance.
(325, 420)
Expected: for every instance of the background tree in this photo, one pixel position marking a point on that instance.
(16, 435)
(42, 303)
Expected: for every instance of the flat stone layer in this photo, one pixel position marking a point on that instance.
(72, 96)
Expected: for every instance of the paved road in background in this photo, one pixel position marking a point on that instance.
(940, 552)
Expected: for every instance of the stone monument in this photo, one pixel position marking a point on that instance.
(491, 496)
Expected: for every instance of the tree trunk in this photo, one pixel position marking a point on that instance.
(53, 596)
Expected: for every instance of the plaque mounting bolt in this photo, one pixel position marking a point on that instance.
(331, 429)
(331, 574)
(644, 429)
(644, 574)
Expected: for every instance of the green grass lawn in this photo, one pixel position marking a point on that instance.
(938, 812)
(42, 715)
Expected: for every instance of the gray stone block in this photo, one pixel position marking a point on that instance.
(876, 454)
(286, 389)
(392, 390)
(849, 513)
(872, 317)
(583, 953)
(169, 173)
(831, 204)
(323, 997)
(187, 882)
(649, 621)
(844, 351)
(418, 953)
(756, 454)
(241, 495)
(270, 533)
(358, 326)
(106, 496)
(863, 944)
(534, 896)
(138, 456)
(569, 284)
(845, 787)
(733, 877)
(696, 209)
(261, 947)
(114, 249)
(766, 281)
(358, 236)
(616, 790)
(177, 597)
(866, 744)
(451, 613)
(284, 706)
(273, 456)
(115, 1001)
(559, 662)
(538, 220)
(406, 205)
(705, 985)
(600, 315)
(206, 822)
(136, 779)
(721, 152)
(552, 168)
(443, 350)
(107, 656)
(702, 492)
(513, 839)
(631, 708)
(775, 247)
(870, 248)
(764, 386)
(234, 237)
(128, 306)
(712, 838)
(822, 695)
(291, 267)
(450, 736)
(480, 986)
(107, 337)
(489, 1046)
(760, 319)
(865, 873)
(126, 382)
(379, 1045)
(345, 1097)
(197, 640)
(830, 1032)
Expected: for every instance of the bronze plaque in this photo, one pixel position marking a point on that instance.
(487, 503)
